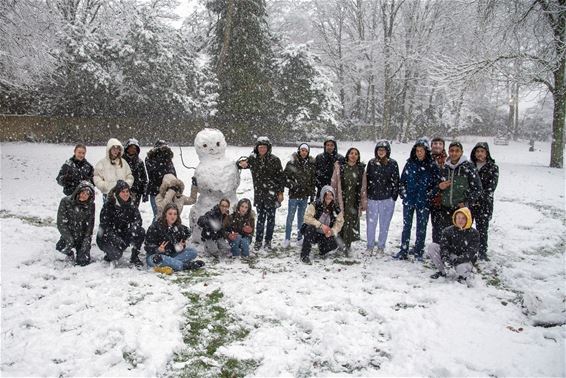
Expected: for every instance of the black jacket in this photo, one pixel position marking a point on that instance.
(300, 177)
(382, 180)
(158, 233)
(118, 219)
(137, 166)
(489, 176)
(324, 166)
(267, 175)
(212, 224)
(73, 172)
(459, 246)
(158, 163)
(75, 219)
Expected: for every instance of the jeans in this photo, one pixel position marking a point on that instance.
(433, 251)
(177, 262)
(153, 206)
(264, 212)
(382, 211)
(241, 243)
(422, 221)
(216, 248)
(299, 206)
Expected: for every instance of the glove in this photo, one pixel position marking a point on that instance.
(194, 181)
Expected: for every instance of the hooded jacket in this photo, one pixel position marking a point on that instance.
(489, 176)
(158, 162)
(73, 172)
(212, 224)
(317, 208)
(75, 219)
(300, 176)
(381, 178)
(158, 233)
(168, 194)
(137, 166)
(457, 245)
(337, 182)
(324, 164)
(118, 218)
(236, 222)
(267, 175)
(419, 181)
(466, 185)
(107, 172)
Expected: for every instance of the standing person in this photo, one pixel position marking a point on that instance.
(380, 189)
(171, 191)
(120, 225)
(75, 222)
(112, 168)
(323, 222)
(166, 242)
(324, 163)
(269, 184)
(458, 246)
(240, 228)
(132, 157)
(347, 184)
(437, 219)
(75, 170)
(417, 186)
(300, 179)
(482, 209)
(212, 225)
(158, 162)
(460, 186)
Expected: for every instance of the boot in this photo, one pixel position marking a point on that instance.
(438, 275)
(135, 259)
(193, 265)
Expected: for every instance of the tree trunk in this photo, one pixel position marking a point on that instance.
(558, 117)
(226, 37)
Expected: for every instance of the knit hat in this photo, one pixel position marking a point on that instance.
(160, 143)
(121, 185)
(456, 144)
(304, 145)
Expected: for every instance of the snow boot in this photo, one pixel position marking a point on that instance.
(401, 255)
(257, 246)
(306, 260)
(135, 259)
(193, 265)
(163, 269)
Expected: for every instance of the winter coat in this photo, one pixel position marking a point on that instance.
(440, 160)
(466, 185)
(337, 182)
(267, 176)
(419, 181)
(316, 209)
(381, 179)
(324, 165)
(158, 162)
(489, 176)
(167, 194)
(108, 172)
(118, 219)
(75, 219)
(236, 222)
(212, 224)
(457, 245)
(72, 173)
(300, 177)
(158, 233)
(138, 168)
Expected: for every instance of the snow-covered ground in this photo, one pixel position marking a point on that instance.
(369, 316)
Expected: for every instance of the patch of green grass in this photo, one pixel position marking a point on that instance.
(346, 262)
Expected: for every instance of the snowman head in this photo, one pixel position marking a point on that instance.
(210, 144)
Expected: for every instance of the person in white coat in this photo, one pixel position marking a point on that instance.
(112, 168)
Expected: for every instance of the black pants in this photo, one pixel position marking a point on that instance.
(264, 212)
(482, 217)
(81, 246)
(312, 236)
(114, 245)
(440, 217)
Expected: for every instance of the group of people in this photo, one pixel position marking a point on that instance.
(327, 195)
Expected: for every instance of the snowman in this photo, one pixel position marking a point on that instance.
(216, 176)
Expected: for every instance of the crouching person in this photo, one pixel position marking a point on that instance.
(239, 227)
(120, 225)
(166, 243)
(459, 246)
(213, 234)
(75, 222)
(323, 222)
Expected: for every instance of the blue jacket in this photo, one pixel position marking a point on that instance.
(419, 180)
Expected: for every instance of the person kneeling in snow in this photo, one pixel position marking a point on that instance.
(459, 246)
(323, 222)
(75, 222)
(212, 224)
(120, 225)
(166, 243)
(239, 227)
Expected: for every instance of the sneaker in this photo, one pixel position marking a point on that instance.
(380, 251)
(193, 265)
(257, 246)
(306, 260)
(286, 243)
(369, 251)
(163, 269)
(437, 275)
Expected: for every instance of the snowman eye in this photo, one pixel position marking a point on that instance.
(204, 145)
(217, 144)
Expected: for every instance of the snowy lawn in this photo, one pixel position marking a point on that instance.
(365, 316)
